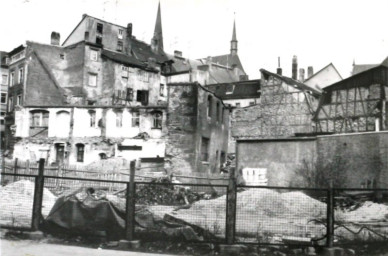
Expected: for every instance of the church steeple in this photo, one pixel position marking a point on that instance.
(157, 39)
(233, 43)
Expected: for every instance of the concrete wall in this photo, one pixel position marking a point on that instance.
(366, 156)
(279, 157)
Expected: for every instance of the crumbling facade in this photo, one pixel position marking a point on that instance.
(4, 96)
(355, 104)
(198, 127)
(286, 108)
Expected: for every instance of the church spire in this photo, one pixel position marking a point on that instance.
(233, 43)
(157, 40)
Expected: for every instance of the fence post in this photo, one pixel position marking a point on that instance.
(15, 169)
(330, 217)
(231, 207)
(38, 196)
(130, 206)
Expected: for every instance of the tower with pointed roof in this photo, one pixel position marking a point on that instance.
(157, 39)
(233, 43)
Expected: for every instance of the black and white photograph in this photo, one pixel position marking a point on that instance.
(194, 127)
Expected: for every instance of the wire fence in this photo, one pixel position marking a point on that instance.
(161, 210)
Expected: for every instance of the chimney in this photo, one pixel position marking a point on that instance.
(294, 68)
(128, 40)
(279, 69)
(55, 38)
(310, 71)
(86, 36)
(209, 61)
(301, 75)
(177, 54)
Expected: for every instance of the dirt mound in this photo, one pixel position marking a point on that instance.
(16, 201)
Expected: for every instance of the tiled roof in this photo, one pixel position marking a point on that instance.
(385, 62)
(293, 82)
(142, 51)
(228, 60)
(237, 90)
(222, 75)
(358, 68)
(122, 58)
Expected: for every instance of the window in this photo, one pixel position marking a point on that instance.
(119, 119)
(92, 119)
(3, 98)
(238, 104)
(80, 152)
(99, 40)
(19, 100)
(92, 79)
(209, 106)
(157, 116)
(21, 75)
(129, 96)
(124, 71)
(10, 104)
(39, 118)
(142, 96)
(229, 89)
(102, 156)
(218, 111)
(125, 80)
(4, 79)
(222, 114)
(119, 46)
(135, 119)
(2, 122)
(120, 34)
(161, 90)
(251, 103)
(12, 79)
(205, 149)
(62, 56)
(2, 114)
(93, 55)
(143, 76)
(99, 28)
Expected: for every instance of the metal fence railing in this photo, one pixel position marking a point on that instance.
(196, 212)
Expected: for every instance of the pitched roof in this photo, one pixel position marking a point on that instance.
(293, 82)
(122, 58)
(228, 60)
(358, 68)
(385, 62)
(142, 51)
(221, 75)
(237, 90)
(322, 69)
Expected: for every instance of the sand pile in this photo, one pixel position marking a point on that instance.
(16, 200)
(369, 211)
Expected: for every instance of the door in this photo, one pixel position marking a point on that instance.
(60, 148)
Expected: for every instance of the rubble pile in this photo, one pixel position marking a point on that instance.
(161, 191)
(369, 211)
(16, 200)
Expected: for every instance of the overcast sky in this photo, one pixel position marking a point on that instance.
(318, 32)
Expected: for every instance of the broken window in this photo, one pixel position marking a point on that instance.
(80, 152)
(92, 114)
(157, 122)
(119, 46)
(93, 55)
(39, 118)
(92, 79)
(99, 28)
(142, 96)
(3, 98)
(99, 40)
(205, 149)
(135, 119)
(209, 106)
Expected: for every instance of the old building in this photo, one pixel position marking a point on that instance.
(326, 76)
(286, 108)
(198, 127)
(4, 96)
(355, 104)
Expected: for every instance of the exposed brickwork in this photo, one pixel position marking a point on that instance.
(282, 112)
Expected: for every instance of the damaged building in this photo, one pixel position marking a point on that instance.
(103, 93)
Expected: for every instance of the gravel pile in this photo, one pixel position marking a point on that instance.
(16, 201)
